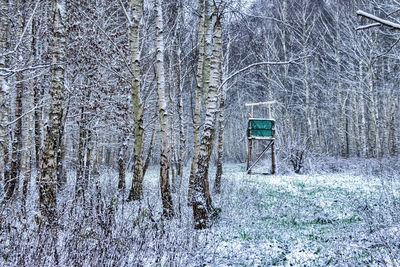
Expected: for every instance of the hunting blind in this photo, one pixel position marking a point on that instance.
(260, 130)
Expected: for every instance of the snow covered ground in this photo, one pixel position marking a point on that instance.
(265, 220)
(301, 220)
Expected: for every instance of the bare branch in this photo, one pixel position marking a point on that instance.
(260, 64)
(125, 12)
(372, 25)
(384, 22)
(390, 49)
(39, 105)
(260, 103)
(6, 72)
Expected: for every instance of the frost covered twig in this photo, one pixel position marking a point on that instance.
(379, 20)
(368, 26)
(260, 64)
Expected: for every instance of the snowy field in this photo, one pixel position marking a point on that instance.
(294, 220)
(303, 220)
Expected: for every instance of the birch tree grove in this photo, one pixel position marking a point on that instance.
(123, 128)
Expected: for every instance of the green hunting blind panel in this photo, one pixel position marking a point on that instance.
(261, 130)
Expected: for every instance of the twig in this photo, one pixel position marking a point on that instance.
(390, 49)
(126, 13)
(26, 113)
(365, 27)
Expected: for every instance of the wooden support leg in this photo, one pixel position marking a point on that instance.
(259, 157)
(273, 157)
(249, 155)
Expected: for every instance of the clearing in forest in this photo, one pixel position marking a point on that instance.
(307, 220)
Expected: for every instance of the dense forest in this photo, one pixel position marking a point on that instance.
(97, 97)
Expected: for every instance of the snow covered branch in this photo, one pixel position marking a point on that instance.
(379, 21)
(260, 64)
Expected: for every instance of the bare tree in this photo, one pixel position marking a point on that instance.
(201, 193)
(201, 38)
(168, 210)
(136, 190)
(48, 180)
(3, 93)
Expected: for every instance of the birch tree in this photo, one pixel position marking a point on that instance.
(12, 181)
(166, 197)
(48, 180)
(201, 201)
(136, 190)
(201, 39)
(3, 92)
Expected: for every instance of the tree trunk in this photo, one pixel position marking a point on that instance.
(27, 135)
(150, 151)
(362, 113)
(3, 92)
(136, 191)
(181, 148)
(168, 210)
(373, 134)
(199, 86)
(36, 99)
(220, 152)
(12, 181)
(201, 200)
(80, 182)
(393, 124)
(48, 182)
(122, 165)
(306, 82)
(86, 172)
(341, 119)
(60, 169)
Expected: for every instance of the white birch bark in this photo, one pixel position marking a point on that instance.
(27, 140)
(220, 140)
(168, 210)
(199, 86)
(201, 201)
(181, 122)
(136, 190)
(48, 182)
(3, 91)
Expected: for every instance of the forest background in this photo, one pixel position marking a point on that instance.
(95, 87)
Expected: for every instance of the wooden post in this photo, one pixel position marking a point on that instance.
(249, 155)
(269, 111)
(273, 157)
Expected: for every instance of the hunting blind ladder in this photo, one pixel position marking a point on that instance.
(261, 130)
